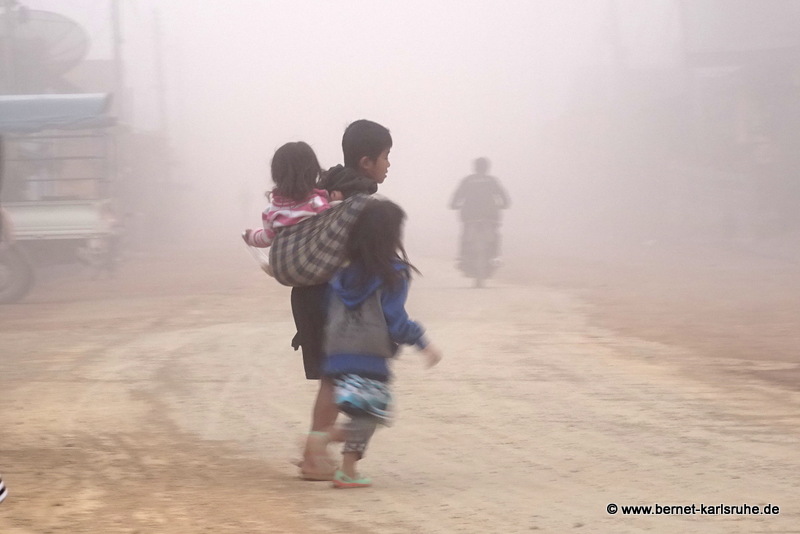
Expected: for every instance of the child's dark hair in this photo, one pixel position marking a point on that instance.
(295, 170)
(364, 138)
(375, 243)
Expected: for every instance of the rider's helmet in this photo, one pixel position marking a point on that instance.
(481, 165)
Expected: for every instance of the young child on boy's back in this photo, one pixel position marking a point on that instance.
(366, 324)
(295, 171)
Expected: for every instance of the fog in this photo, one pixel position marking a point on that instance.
(597, 117)
(452, 81)
(638, 345)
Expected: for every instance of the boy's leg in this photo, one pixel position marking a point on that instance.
(316, 463)
(308, 310)
(309, 317)
(325, 410)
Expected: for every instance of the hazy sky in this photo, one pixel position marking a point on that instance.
(451, 79)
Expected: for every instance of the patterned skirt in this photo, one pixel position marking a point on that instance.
(358, 396)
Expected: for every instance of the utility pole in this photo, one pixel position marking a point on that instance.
(690, 84)
(617, 52)
(161, 98)
(118, 91)
(168, 191)
(119, 82)
(9, 63)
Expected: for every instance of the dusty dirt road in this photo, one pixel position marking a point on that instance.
(168, 401)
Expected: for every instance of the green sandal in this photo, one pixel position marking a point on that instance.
(342, 481)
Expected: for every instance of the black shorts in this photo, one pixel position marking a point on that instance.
(308, 310)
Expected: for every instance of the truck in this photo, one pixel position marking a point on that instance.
(56, 186)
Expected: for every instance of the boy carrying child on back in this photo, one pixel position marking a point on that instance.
(365, 147)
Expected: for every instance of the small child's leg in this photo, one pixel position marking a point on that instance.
(356, 433)
(349, 461)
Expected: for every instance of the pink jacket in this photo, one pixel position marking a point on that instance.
(286, 212)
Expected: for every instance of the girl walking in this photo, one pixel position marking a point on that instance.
(365, 326)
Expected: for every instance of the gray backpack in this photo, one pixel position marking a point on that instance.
(361, 330)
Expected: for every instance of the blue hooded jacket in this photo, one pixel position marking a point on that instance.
(402, 330)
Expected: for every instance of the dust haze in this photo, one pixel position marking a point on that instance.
(638, 345)
(614, 123)
(453, 81)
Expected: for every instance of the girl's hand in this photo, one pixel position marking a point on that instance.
(432, 355)
(336, 195)
(246, 235)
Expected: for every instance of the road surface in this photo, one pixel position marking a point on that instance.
(167, 400)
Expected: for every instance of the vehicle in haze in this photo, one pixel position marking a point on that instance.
(477, 259)
(56, 176)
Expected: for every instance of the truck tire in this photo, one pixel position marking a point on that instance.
(16, 275)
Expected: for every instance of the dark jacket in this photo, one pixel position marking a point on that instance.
(480, 197)
(348, 181)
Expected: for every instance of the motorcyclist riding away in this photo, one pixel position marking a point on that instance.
(480, 197)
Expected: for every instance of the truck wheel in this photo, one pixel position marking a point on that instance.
(16, 275)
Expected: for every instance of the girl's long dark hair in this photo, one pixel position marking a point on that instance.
(295, 171)
(375, 243)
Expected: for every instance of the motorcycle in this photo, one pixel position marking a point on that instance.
(478, 251)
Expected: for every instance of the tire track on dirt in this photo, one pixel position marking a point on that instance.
(535, 420)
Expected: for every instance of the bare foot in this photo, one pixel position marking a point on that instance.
(317, 463)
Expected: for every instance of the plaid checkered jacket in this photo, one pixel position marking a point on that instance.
(311, 251)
